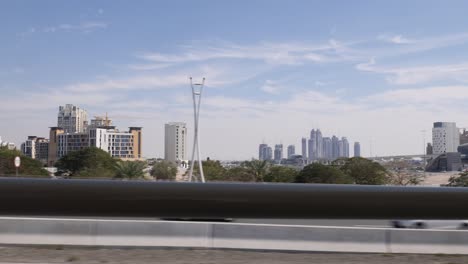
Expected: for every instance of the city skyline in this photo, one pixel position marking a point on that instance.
(362, 74)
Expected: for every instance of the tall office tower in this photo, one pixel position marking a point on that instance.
(304, 148)
(327, 148)
(175, 142)
(268, 153)
(261, 151)
(335, 147)
(72, 119)
(278, 152)
(345, 147)
(319, 143)
(313, 145)
(445, 137)
(340, 149)
(291, 151)
(357, 149)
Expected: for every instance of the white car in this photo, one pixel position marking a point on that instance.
(431, 224)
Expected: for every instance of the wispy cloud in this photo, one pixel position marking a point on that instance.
(422, 74)
(271, 53)
(270, 87)
(396, 39)
(429, 96)
(84, 27)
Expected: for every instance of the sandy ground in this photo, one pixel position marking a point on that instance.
(197, 256)
(438, 178)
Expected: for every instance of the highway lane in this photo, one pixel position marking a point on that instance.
(320, 222)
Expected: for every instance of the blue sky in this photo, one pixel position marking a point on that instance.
(373, 71)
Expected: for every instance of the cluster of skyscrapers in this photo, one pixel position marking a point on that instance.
(73, 132)
(265, 152)
(318, 147)
(315, 148)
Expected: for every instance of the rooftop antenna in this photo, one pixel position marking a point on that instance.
(197, 89)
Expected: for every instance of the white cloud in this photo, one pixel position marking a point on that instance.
(84, 27)
(396, 39)
(270, 87)
(271, 53)
(439, 96)
(416, 75)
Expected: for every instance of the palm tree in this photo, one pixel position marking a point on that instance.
(258, 168)
(129, 170)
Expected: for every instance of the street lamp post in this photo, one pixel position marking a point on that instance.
(197, 89)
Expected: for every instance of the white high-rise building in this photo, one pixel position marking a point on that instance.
(175, 142)
(345, 147)
(357, 149)
(319, 142)
(72, 119)
(445, 137)
(304, 148)
(291, 151)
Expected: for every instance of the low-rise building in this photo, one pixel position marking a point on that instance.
(36, 148)
(119, 144)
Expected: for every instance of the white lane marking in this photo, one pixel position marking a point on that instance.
(377, 226)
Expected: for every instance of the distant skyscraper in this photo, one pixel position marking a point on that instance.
(335, 147)
(357, 149)
(304, 148)
(313, 145)
(291, 151)
(319, 143)
(72, 119)
(268, 153)
(345, 147)
(262, 151)
(175, 142)
(278, 152)
(327, 148)
(340, 149)
(445, 137)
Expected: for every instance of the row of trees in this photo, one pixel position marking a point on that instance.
(96, 163)
(342, 171)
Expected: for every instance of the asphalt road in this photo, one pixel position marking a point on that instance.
(38, 255)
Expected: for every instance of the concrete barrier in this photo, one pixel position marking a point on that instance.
(307, 238)
(428, 241)
(142, 233)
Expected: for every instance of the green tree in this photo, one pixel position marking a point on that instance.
(365, 171)
(460, 180)
(257, 168)
(212, 170)
(239, 174)
(281, 174)
(130, 170)
(164, 170)
(319, 173)
(89, 162)
(29, 166)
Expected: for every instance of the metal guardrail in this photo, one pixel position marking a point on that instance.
(48, 197)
